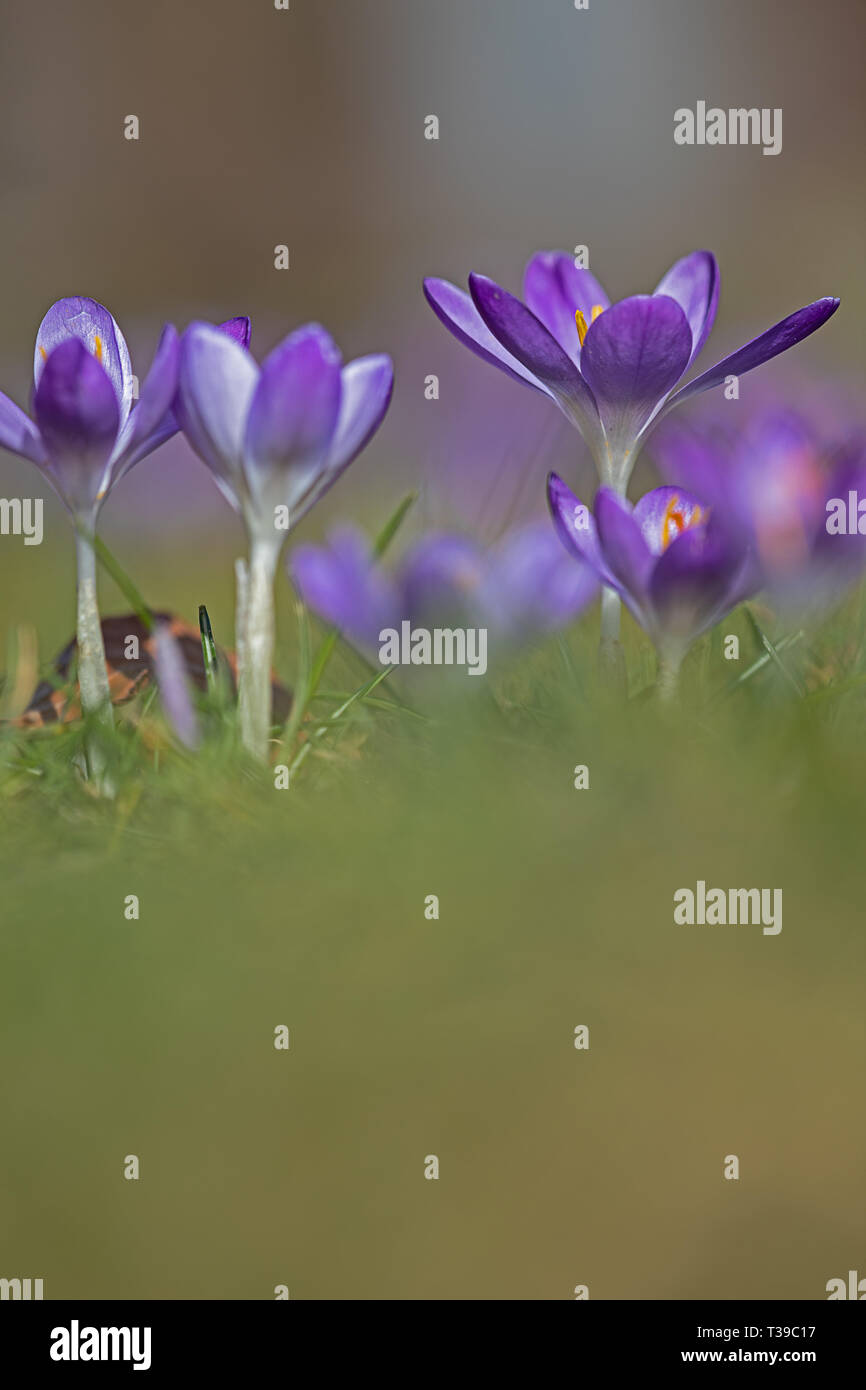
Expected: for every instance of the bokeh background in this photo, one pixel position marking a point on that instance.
(261, 127)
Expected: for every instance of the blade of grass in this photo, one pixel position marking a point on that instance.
(334, 719)
(773, 652)
(393, 524)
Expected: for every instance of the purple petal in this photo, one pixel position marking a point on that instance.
(532, 585)
(527, 339)
(145, 427)
(216, 384)
(694, 283)
(91, 324)
(633, 355)
(292, 419)
(779, 338)
(554, 289)
(77, 413)
(440, 576)
(174, 690)
(239, 329)
(627, 554)
(694, 584)
(575, 526)
(368, 383)
(18, 432)
(454, 308)
(664, 514)
(343, 584)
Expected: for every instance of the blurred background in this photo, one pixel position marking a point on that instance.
(305, 127)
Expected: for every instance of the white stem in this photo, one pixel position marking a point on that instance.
(668, 676)
(611, 659)
(254, 682)
(92, 675)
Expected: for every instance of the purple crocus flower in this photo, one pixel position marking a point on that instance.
(611, 368)
(276, 437)
(87, 431)
(678, 569)
(524, 587)
(778, 481)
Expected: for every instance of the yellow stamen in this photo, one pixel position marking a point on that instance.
(580, 320)
(44, 354)
(97, 347)
(674, 521)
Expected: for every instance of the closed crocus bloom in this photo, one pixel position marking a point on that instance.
(276, 437)
(86, 433)
(678, 569)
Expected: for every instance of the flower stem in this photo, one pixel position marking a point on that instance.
(667, 679)
(611, 659)
(254, 683)
(92, 675)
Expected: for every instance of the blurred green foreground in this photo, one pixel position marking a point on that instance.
(455, 1037)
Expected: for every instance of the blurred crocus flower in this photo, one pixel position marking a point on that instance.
(523, 588)
(276, 437)
(87, 431)
(611, 368)
(678, 569)
(779, 482)
(174, 688)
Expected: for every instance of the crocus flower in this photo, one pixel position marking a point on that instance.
(777, 480)
(276, 438)
(678, 569)
(524, 587)
(87, 431)
(611, 368)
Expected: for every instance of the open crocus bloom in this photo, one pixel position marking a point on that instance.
(677, 568)
(87, 431)
(279, 435)
(778, 480)
(611, 368)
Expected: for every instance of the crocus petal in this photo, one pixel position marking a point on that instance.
(238, 328)
(368, 383)
(575, 526)
(693, 584)
(664, 513)
(343, 584)
(95, 327)
(694, 283)
(440, 575)
(554, 289)
(143, 431)
(633, 354)
(454, 308)
(532, 586)
(173, 685)
(625, 551)
(216, 383)
(527, 339)
(292, 418)
(18, 432)
(779, 338)
(77, 412)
